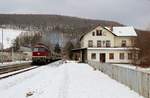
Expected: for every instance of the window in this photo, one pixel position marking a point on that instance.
(90, 43)
(111, 56)
(37, 49)
(42, 49)
(93, 56)
(121, 56)
(98, 43)
(129, 56)
(99, 32)
(123, 43)
(108, 43)
(93, 33)
(133, 42)
(104, 43)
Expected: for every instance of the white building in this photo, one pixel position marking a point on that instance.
(110, 45)
(26, 53)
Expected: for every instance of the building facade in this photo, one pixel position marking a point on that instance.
(108, 45)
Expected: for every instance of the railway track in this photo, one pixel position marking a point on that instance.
(7, 71)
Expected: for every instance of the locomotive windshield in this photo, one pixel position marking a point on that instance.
(37, 49)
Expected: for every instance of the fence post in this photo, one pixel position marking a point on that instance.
(148, 85)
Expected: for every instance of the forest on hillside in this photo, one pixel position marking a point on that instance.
(50, 22)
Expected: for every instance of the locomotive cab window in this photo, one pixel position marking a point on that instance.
(35, 49)
(40, 49)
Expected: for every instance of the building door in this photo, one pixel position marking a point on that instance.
(84, 57)
(102, 57)
(83, 60)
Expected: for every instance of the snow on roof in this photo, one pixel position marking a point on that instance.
(124, 31)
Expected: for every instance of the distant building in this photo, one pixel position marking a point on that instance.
(107, 45)
(27, 52)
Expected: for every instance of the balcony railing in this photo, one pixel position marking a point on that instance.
(111, 47)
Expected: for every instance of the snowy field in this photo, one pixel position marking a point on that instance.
(70, 80)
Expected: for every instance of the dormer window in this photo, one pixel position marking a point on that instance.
(99, 32)
(93, 33)
(123, 44)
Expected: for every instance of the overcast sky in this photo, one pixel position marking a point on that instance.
(8, 36)
(128, 12)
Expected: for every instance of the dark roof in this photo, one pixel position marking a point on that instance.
(39, 44)
(76, 49)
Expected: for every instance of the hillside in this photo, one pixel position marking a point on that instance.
(50, 22)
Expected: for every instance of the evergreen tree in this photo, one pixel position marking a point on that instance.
(77, 44)
(57, 48)
(16, 44)
(68, 48)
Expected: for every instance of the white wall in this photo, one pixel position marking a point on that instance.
(116, 55)
(89, 36)
(115, 40)
(118, 41)
(7, 56)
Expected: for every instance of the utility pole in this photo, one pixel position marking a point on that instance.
(12, 55)
(19, 49)
(12, 50)
(2, 46)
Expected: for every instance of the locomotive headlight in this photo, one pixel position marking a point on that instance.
(38, 53)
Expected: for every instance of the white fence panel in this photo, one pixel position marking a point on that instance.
(139, 75)
(149, 85)
(134, 79)
(145, 85)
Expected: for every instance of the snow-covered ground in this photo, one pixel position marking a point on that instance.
(15, 62)
(69, 80)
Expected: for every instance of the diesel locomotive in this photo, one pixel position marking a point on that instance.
(42, 54)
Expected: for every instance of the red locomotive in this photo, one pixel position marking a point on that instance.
(42, 54)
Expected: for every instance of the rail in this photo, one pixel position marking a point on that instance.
(15, 67)
(6, 75)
